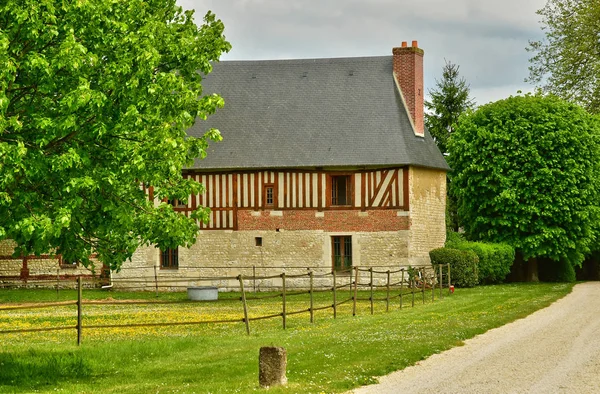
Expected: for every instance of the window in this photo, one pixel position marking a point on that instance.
(258, 241)
(169, 258)
(269, 196)
(341, 190)
(342, 253)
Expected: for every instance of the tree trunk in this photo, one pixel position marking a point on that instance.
(532, 270)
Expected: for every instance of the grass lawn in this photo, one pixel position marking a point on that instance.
(326, 356)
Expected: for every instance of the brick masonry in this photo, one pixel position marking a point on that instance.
(408, 70)
(330, 221)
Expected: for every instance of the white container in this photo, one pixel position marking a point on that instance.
(203, 293)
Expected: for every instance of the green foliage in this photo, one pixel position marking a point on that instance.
(453, 238)
(449, 100)
(567, 61)
(525, 173)
(557, 271)
(495, 259)
(463, 265)
(95, 100)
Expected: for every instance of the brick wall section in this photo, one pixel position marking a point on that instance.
(427, 212)
(37, 266)
(408, 69)
(330, 221)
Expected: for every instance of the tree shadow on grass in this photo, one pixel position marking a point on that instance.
(34, 369)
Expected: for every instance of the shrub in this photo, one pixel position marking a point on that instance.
(556, 271)
(463, 265)
(453, 238)
(495, 260)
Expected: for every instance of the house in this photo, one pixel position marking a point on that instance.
(324, 163)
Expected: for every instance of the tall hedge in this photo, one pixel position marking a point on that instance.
(557, 271)
(495, 259)
(463, 265)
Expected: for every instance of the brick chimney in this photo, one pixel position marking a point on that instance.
(408, 73)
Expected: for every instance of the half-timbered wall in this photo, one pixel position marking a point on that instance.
(225, 193)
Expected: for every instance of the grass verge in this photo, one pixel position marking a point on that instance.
(326, 356)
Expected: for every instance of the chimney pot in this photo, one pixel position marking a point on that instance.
(404, 44)
(415, 44)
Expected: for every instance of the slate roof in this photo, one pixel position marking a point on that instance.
(341, 112)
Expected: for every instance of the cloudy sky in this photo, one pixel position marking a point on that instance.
(486, 38)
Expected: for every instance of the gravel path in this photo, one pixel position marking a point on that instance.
(554, 350)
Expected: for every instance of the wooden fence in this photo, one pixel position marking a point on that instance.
(409, 283)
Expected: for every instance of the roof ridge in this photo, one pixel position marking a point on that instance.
(304, 61)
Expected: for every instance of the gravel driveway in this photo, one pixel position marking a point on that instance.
(554, 350)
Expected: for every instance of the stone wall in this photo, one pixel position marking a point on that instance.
(38, 267)
(427, 201)
(9, 266)
(231, 253)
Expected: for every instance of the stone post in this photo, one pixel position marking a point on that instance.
(272, 363)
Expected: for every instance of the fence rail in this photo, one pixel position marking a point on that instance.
(411, 281)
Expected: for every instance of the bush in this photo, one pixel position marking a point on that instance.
(556, 271)
(463, 265)
(453, 238)
(495, 260)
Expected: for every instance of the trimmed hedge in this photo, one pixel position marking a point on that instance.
(495, 259)
(463, 265)
(556, 271)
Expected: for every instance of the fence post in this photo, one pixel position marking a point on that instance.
(449, 283)
(283, 298)
(412, 289)
(57, 282)
(371, 284)
(355, 291)
(441, 280)
(79, 310)
(244, 304)
(254, 278)
(334, 295)
(387, 301)
(433, 286)
(423, 283)
(401, 287)
(156, 280)
(311, 298)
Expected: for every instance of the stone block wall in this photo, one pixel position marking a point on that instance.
(427, 199)
(231, 253)
(9, 266)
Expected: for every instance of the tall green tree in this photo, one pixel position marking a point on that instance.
(95, 100)
(567, 61)
(449, 100)
(526, 173)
